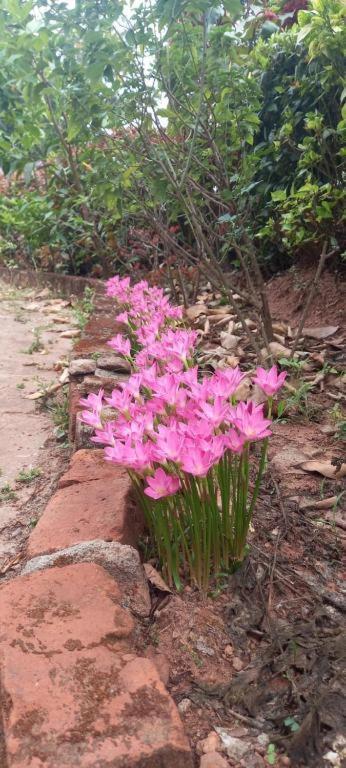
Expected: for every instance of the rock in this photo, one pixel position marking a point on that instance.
(114, 376)
(228, 650)
(202, 647)
(81, 366)
(161, 663)
(184, 706)
(332, 758)
(99, 509)
(113, 363)
(263, 739)
(213, 760)
(212, 743)
(237, 663)
(121, 561)
(73, 692)
(234, 748)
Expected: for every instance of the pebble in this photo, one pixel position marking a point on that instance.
(184, 705)
(202, 647)
(236, 749)
(212, 743)
(213, 760)
(332, 758)
(237, 664)
(228, 650)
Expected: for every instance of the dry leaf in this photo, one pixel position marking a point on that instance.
(276, 349)
(70, 334)
(320, 504)
(228, 341)
(325, 468)
(195, 311)
(320, 332)
(155, 578)
(65, 376)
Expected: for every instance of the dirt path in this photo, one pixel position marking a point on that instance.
(31, 328)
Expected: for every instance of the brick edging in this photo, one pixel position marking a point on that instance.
(73, 690)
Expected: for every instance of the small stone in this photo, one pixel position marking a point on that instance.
(213, 760)
(202, 647)
(263, 739)
(211, 743)
(228, 650)
(332, 758)
(113, 363)
(81, 366)
(235, 748)
(184, 706)
(238, 664)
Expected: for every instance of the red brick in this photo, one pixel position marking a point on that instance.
(86, 465)
(73, 693)
(99, 509)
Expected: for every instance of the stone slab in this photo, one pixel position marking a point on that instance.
(121, 561)
(73, 693)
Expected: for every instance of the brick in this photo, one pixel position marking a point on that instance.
(99, 509)
(73, 692)
(86, 465)
(121, 561)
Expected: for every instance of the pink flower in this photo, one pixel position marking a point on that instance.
(234, 441)
(196, 461)
(216, 412)
(225, 382)
(161, 484)
(123, 317)
(169, 444)
(269, 381)
(249, 419)
(120, 344)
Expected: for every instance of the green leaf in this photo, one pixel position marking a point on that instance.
(234, 7)
(279, 195)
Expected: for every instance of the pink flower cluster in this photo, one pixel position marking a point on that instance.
(168, 421)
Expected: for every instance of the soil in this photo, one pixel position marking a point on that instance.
(287, 293)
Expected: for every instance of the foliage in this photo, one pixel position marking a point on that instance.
(215, 130)
(186, 441)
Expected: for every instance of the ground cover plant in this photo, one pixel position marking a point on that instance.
(186, 439)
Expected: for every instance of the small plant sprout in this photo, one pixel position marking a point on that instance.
(28, 475)
(83, 308)
(7, 493)
(271, 754)
(36, 345)
(187, 442)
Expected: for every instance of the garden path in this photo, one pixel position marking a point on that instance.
(32, 327)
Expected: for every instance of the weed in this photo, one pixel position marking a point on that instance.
(296, 366)
(33, 522)
(36, 345)
(7, 493)
(83, 307)
(20, 385)
(298, 402)
(59, 412)
(28, 475)
(271, 754)
(339, 419)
